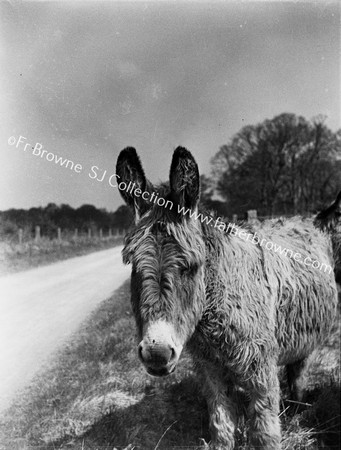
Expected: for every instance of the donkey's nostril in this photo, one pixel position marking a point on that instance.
(173, 354)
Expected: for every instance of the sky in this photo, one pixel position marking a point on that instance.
(83, 80)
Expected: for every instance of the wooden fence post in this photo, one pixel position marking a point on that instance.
(59, 231)
(75, 235)
(89, 233)
(251, 215)
(20, 233)
(37, 233)
(100, 233)
(234, 218)
(110, 233)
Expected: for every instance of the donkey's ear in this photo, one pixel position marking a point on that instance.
(330, 217)
(130, 172)
(184, 179)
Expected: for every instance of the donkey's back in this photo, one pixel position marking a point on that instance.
(301, 263)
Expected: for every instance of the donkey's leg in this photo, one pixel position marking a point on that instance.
(265, 432)
(296, 378)
(222, 411)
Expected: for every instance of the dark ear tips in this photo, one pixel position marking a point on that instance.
(182, 156)
(129, 153)
(182, 152)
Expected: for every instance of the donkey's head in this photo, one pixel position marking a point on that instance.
(167, 253)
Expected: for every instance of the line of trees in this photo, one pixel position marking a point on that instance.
(52, 217)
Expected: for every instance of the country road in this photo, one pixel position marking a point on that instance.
(42, 307)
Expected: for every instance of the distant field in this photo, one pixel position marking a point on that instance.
(96, 395)
(15, 257)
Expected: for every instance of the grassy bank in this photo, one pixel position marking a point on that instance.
(15, 257)
(96, 395)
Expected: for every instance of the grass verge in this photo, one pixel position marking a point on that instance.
(96, 395)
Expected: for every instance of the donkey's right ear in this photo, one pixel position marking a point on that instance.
(130, 176)
(184, 178)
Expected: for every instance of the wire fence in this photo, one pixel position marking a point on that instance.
(61, 235)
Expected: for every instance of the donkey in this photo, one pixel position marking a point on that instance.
(240, 308)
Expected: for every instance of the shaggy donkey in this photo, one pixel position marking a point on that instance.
(240, 309)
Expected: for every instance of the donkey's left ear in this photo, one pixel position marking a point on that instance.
(129, 171)
(184, 179)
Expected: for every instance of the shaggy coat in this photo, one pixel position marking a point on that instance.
(240, 308)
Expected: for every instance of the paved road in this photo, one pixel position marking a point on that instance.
(40, 308)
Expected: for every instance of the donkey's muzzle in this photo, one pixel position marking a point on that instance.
(159, 351)
(158, 358)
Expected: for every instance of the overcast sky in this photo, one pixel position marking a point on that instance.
(86, 79)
